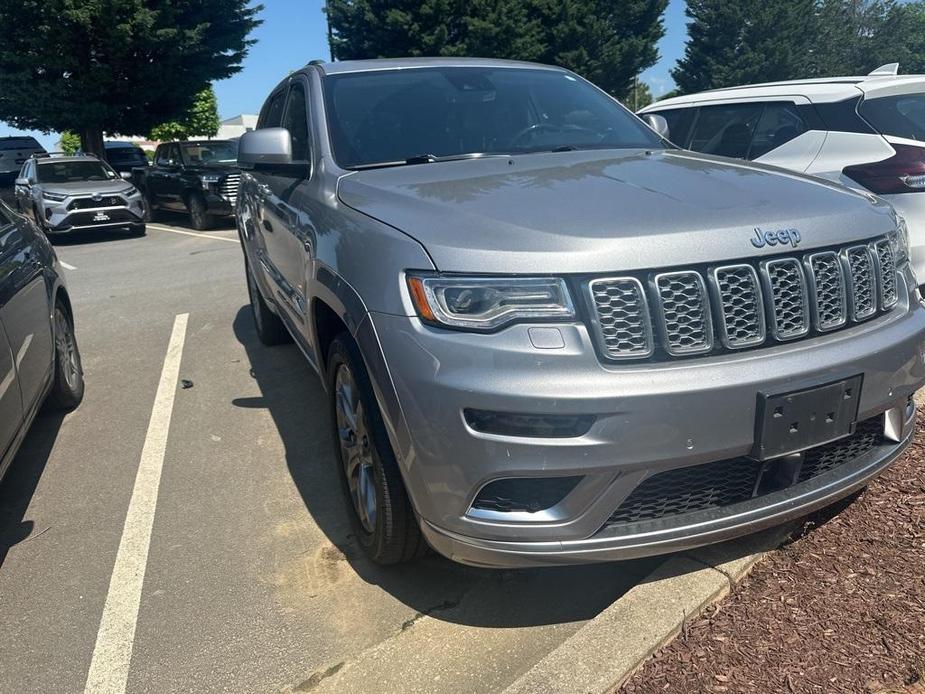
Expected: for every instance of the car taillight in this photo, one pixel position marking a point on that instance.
(904, 172)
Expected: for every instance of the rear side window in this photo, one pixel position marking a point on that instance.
(779, 123)
(296, 122)
(726, 130)
(679, 123)
(899, 116)
(273, 115)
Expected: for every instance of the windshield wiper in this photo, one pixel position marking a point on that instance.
(428, 159)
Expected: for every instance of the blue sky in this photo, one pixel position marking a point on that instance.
(295, 31)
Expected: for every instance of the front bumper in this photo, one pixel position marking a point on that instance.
(61, 218)
(648, 419)
(219, 205)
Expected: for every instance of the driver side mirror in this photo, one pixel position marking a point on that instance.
(268, 148)
(126, 175)
(657, 123)
(22, 182)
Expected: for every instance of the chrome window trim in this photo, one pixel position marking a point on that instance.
(769, 301)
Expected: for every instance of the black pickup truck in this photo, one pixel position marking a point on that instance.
(196, 176)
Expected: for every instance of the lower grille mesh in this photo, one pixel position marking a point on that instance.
(726, 482)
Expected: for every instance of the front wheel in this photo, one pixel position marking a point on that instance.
(199, 214)
(138, 230)
(68, 388)
(382, 517)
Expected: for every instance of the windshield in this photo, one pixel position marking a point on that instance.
(393, 115)
(217, 152)
(73, 171)
(20, 143)
(125, 154)
(899, 116)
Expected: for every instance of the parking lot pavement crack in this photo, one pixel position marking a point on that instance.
(445, 605)
(729, 578)
(317, 678)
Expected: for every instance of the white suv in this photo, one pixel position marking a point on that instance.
(15, 150)
(865, 132)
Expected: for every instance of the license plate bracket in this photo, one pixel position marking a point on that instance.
(800, 419)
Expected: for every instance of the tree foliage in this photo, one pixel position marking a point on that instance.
(607, 42)
(70, 142)
(114, 65)
(200, 121)
(733, 42)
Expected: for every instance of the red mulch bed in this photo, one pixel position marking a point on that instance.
(841, 608)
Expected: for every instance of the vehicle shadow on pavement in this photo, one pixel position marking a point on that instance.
(433, 586)
(21, 480)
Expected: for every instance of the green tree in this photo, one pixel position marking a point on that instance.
(733, 42)
(609, 43)
(70, 142)
(114, 65)
(639, 97)
(200, 121)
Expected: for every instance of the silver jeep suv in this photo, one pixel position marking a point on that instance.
(77, 193)
(551, 337)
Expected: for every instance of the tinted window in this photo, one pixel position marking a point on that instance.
(679, 124)
(296, 122)
(20, 143)
(899, 116)
(392, 115)
(273, 115)
(215, 152)
(725, 130)
(124, 155)
(779, 123)
(71, 171)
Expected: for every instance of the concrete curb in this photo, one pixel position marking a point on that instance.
(603, 654)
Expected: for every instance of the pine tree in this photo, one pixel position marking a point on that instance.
(114, 66)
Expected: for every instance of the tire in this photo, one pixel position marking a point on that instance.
(270, 328)
(68, 388)
(383, 520)
(138, 230)
(200, 219)
(151, 212)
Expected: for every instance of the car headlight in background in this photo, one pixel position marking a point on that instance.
(54, 197)
(487, 303)
(209, 180)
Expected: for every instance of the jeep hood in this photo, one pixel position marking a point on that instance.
(605, 211)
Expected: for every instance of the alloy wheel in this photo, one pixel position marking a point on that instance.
(356, 448)
(66, 348)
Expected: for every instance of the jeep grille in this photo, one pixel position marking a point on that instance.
(742, 305)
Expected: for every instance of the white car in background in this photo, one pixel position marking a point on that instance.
(865, 132)
(14, 151)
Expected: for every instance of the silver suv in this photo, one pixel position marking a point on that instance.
(66, 194)
(548, 335)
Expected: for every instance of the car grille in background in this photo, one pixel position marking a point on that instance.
(229, 187)
(742, 305)
(91, 204)
(726, 482)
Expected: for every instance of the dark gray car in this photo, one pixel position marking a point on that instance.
(39, 359)
(548, 335)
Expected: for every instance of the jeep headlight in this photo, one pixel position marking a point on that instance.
(209, 180)
(488, 303)
(54, 197)
(899, 241)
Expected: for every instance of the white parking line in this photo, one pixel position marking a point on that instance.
(67, 266)
(112, 654)
(200, 235)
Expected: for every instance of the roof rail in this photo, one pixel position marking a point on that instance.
(888, 70)
(49, 155)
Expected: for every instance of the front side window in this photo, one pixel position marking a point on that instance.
(726, 130)
(73, 171)
(296, 122)
(167, 155)
(390, 116)
(215, 152)
(679, 123)
(273, 116)
(900, 116)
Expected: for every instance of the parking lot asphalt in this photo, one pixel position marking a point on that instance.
(251, 579)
